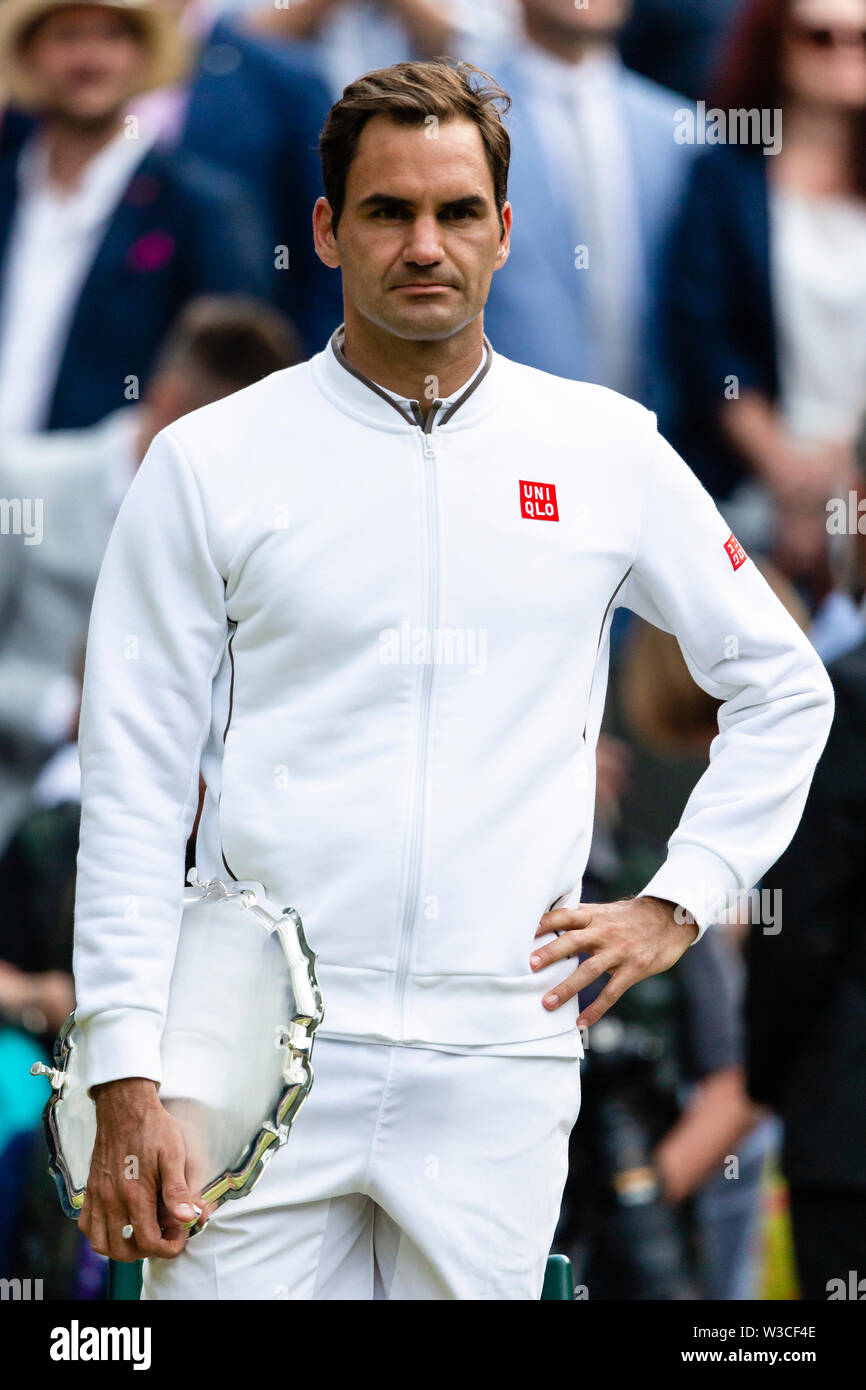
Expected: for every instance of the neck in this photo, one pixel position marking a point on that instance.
(821, 126)
(71, 145)
(563, 41)
(818, 148)
(147, 427)
(422, 369)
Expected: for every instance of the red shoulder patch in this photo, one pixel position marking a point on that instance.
(735, 552)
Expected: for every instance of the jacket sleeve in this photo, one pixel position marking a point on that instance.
(156, 636)
(743, 647)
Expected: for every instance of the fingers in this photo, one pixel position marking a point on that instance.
(132, 1205)
(122, 1194)
(588, 971)
(117, 1219)
(177, 1200)
(85, 1216)
(125, 1251)
(613, 990)
(149, 1238)
(107, 1211)
(93, 1224)
(104, 1230)
(103, 1215)
(172, 1229)
(565, 919)
(570, 943)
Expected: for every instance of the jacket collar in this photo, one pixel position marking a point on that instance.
(357, 395)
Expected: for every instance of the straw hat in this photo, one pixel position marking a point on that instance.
(168, 51)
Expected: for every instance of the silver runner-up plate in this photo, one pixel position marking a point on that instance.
(244, 1005)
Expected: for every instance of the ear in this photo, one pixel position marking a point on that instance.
(324, 239)
(504, 248)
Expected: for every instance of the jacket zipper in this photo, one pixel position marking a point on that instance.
(225, 736)
(416, 843)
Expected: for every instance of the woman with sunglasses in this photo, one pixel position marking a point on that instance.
(766, 302)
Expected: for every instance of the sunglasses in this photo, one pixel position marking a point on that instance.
(827, 37)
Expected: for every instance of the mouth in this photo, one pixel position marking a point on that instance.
(424, 288)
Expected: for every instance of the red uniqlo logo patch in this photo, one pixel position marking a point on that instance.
(736, 553)
(538, 501)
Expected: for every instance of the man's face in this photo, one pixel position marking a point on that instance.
(598, 18)
(419, 239)
(86, 60)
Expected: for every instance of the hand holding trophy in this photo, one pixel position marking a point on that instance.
(143, 1165)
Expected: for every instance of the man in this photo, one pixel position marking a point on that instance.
(597, 174)
(376, 615)
(102, 238)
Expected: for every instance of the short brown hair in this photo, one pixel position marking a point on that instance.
(408, 93)
(223, 342)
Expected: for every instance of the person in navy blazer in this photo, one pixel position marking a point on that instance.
(180, 227)
(719, 313)
(256, 108)
(15, 126)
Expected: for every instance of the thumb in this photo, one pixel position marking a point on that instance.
(176, 1196)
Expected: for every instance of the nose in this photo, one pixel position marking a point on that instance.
(424, 242)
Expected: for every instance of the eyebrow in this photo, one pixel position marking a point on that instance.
(472, 200)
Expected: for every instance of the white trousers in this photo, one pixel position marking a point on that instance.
(409, 1174)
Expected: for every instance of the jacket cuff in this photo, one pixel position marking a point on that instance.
(697, 880)
(122, 1043)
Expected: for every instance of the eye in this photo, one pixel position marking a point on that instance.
(456, 213)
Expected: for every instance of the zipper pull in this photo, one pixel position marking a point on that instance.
(429, 450)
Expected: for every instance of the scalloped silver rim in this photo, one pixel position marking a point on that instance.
(276, 1127)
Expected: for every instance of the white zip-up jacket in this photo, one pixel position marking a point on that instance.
(386, 643)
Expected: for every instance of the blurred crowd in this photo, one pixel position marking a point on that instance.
(688, 180)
